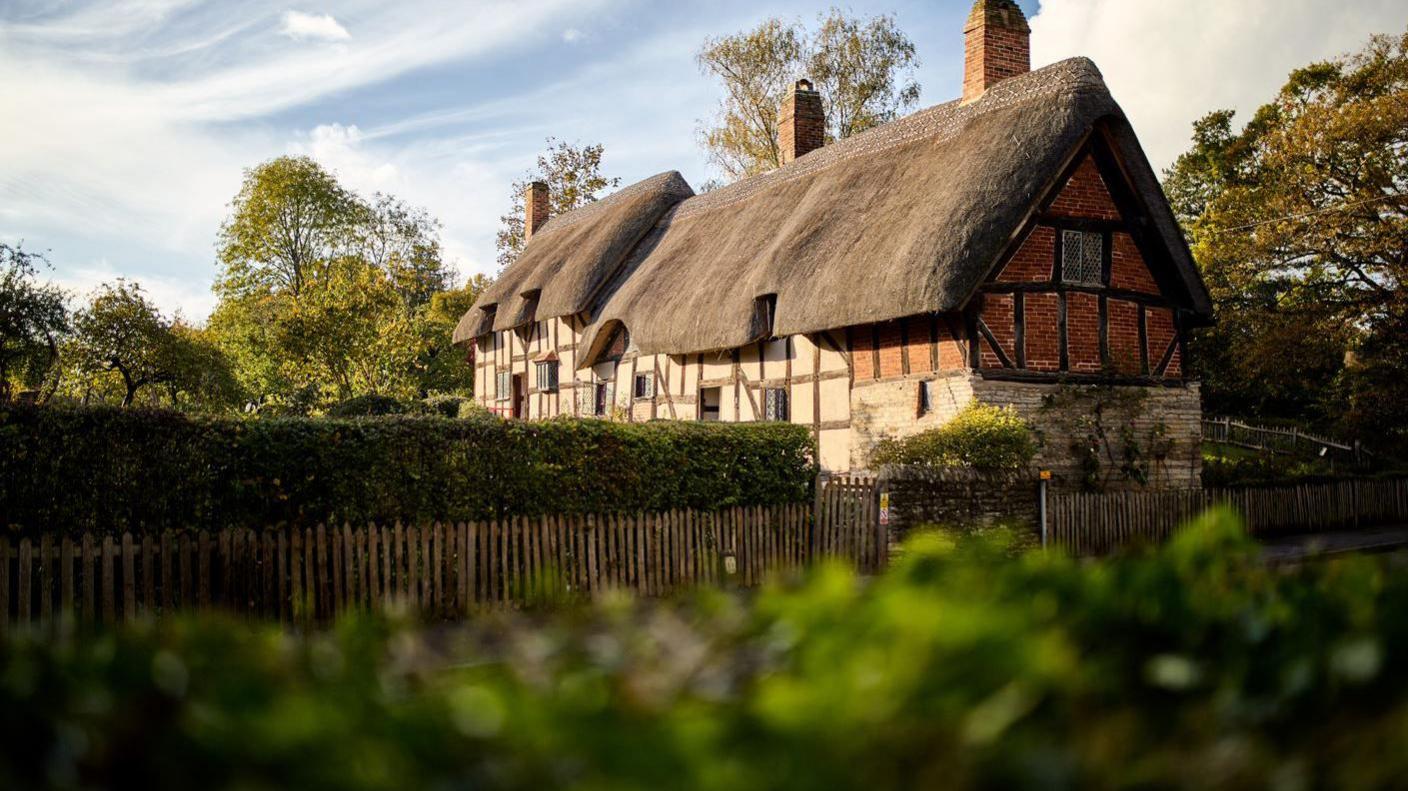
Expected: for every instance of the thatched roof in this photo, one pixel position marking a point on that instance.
(565, 264)
(906, 219)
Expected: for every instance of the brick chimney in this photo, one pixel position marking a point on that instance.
(535, 206)
(801, 124)
(998, 46)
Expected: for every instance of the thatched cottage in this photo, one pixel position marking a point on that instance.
(1013, 247)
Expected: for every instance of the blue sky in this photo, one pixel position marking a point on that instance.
(127, 124)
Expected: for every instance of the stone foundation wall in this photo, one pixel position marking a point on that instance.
(1144, 438)
(1111, 438)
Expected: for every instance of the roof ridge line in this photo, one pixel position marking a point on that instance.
(959, 115)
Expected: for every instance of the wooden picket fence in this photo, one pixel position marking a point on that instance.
(441, 570)
(1097, 523)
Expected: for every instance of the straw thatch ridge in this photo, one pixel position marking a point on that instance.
(905, 219)
(565, 264)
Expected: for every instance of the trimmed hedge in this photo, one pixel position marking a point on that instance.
(65, 468)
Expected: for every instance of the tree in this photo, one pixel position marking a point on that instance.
(1300, 222)
(863, 69)
(404, 241)
(33, 320)
(573, 175)
(322, 293)
(289, 221)
(448, 368)
(122, 345)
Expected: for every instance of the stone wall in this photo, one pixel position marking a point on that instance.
(963, 499)
(1153, 432)
(1113, 438)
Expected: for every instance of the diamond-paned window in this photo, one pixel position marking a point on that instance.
(1082, 258)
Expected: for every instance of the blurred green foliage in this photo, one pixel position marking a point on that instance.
(980, 437)
(1191, 666)
(104, 468)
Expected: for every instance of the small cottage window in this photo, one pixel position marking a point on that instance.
(775, 404)
(601, 401)
(1083, 258)
(503, 387)
(926, 398)
(644, 386)
(547, 377)
(710, 399)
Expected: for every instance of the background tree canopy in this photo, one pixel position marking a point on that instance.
(862, 67)
(123, 350)
(33, 321)
(326, 296)
(1300, 222)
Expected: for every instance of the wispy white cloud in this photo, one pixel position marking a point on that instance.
(300, 26)
(102, 156)
(572, 35)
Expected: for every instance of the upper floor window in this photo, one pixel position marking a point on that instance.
(644, 386)
(1082, 258)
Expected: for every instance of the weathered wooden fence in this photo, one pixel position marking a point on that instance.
(441, 570)
(1289, 441)
(1096, 523)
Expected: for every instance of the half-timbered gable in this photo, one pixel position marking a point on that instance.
(1077, 295)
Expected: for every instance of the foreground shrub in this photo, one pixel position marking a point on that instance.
(108, 468)
(981, 437)
(1191, 667)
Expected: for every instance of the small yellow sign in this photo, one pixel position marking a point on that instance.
(1046, 475)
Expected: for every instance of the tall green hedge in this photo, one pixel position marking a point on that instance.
(104, 468)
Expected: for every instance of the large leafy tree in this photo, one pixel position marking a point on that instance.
(33, 320)
(1300, 222)
(324, 295)
(289, 221)
(574, 178)
(863, 68)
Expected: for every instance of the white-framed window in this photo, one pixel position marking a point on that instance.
(775, 404)
(1082, 258)
(644, 386)
(503, 385)
(547, 376)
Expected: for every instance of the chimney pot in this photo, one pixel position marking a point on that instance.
(535, 206)
(801, 123)
(998, 46)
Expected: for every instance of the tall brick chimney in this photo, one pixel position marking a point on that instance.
(535, 207)
(998, 46)
(801, 124)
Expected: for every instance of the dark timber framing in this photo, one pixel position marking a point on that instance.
(1134, 221)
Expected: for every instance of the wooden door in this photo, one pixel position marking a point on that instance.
(520, 397)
